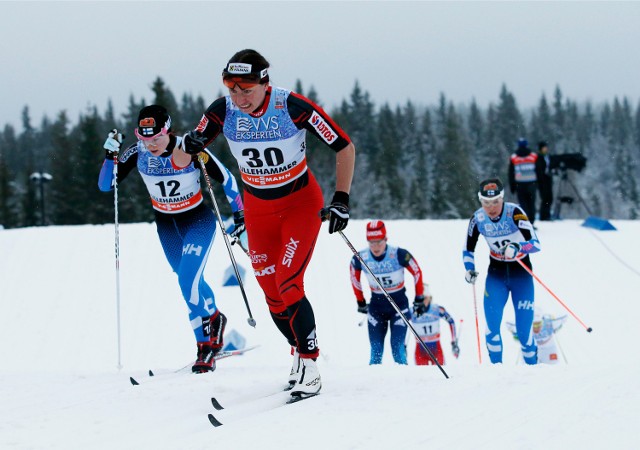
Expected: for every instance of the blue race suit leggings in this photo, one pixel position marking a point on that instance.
(498, 285)
(383, 316)
(186, 239)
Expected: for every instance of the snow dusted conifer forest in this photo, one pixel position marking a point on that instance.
(60, 387)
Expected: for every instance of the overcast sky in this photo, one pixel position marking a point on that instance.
(68, 55)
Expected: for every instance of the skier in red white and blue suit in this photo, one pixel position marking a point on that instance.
(388, 265)
(427, 325)
(510, 236)
(186, 227)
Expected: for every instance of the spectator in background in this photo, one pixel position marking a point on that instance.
(545, 180)
(523, 177)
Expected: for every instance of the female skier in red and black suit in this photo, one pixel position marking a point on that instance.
(266, 127)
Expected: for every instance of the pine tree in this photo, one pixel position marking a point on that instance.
(9, 207)
(164, 97)
(192, 110)
(621, 143)
(26, 148)
(455, 182)
(541, 124)
(510, 124)
(495, 154)
(6, 192)
(481, 153)
(558, 132)
(418, 194)
(63, 170)
(356, 118)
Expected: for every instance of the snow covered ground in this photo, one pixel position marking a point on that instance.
(60, 387)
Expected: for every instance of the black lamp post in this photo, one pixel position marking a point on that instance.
(41, 178)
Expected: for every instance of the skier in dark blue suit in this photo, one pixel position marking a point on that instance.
(510, 237)
(388, 265)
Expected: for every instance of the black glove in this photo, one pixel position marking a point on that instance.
(363, 307)
(455, 349)
(419, 308)
(193, 142)
(238, 220)
(338, 212)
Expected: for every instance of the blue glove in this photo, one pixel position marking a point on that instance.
(193, 142)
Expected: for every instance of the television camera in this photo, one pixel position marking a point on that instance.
(568, 161)
(560, 164)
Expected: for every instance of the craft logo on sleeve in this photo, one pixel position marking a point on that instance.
(323, 128)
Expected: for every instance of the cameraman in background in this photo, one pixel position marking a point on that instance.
(545, 180)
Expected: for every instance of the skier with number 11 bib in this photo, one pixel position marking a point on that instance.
(426, 321)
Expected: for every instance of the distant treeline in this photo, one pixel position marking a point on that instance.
(413, 161)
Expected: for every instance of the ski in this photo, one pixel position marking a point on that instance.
(216, 404)
(291, 399)
(227, 353)
(300, 397)
(221, 355)
(215, 422)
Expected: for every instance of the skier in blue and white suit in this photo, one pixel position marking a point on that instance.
(510, 236)
(186, 227)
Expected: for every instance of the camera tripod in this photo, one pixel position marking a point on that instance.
(564, 180)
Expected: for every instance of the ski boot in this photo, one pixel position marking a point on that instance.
(308, 383)
(205, 362)
(293, 375)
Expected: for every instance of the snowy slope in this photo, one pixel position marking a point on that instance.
(60, 387)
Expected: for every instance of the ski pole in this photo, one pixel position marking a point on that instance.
(459, 333)
(475, 311)
(324, 214)
(589, 329)
(117, 252)
(250, 319)
(560, 347)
